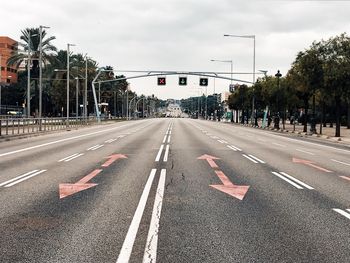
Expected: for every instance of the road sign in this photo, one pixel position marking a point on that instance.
(161, 81)
(182, 81)
(203, 82)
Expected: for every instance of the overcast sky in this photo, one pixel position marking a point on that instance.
(182, 35)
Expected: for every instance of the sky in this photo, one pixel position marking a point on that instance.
(181, 35)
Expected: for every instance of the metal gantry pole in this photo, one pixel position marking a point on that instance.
(67, 96)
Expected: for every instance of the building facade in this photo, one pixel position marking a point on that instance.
(7, 47)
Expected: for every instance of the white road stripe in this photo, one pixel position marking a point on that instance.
(235, 147)
(229, 146)
(256, 158)
(128, 244)
(74, 157)
(277, 144)
(348, 164)
(164, 139)
(246, 156)
(304, 151)
(169, 138)
(159, 153)
(68, 157)
(92, 147)
(98, 147)
(297, 181)
(287, 180)
(150, 254)
(18, 177)
(110, 140)
(348, 210)
(25, 178)
(166, 153)
(121, 136)
(342, 212)
(220, 141)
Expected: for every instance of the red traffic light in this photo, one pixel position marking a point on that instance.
(161, 81)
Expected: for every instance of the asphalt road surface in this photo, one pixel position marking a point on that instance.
(173, 190)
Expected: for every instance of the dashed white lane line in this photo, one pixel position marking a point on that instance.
(221, 141)
(348, 164)
(110, 140)
(68, 157)
(342, 212)
(166, 153)
(234, 148)
(164, 139)
(95, 147)
(88, 149)
(293, 181)
(280, 145)
(256, 158)
(304, 151)
(169, 139)
(150, 254)
(159, 153)
(74, 157)
(128, 244)
(22, 178)
(250, 159)
(287, 180)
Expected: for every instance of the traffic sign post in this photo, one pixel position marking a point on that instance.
(161, 81)
(203, 82)
(182, 81)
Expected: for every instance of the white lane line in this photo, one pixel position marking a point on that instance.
(169, 138)
(150, 254)
(348, 164)
(287, 180)
(230, 147)
(70, 156)
(235, 147)
(256, 158)
(166, 153)
(277, 144)
(342, 212)
(128, 244)
(98, 147)
(246, 156)
(304, 151)
(214, 137)
(25, 178)
(348, 210)
(74, 157)
(220, 141)
(58, 141)
(159, 153)
(297, 181)
(18, 177)
(110, 140)
(164, 139)
(88, 149)
(121, 136)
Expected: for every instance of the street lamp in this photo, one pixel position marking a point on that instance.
(68, 46)
(278, 75)
(253, 100)
(41, 70)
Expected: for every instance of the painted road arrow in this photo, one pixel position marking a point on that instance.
(70, 189)
(237, 191)
(210, 159)
(311, 163)
(113, 158)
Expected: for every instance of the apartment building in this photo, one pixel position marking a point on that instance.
(7, 47)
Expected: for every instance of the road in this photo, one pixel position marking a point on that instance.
(173, 190)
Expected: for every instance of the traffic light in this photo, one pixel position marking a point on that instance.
(182, 81)
(161, 81)
(203, 82)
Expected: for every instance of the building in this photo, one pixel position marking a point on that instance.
(7, 47)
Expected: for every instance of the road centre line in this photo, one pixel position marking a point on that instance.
(159, 153)
(18, 177)
(256, 158)
(65, 158)
(98, 147)
(110, 140)
(235, 147)
(348, 164)
(342, 212)
(74, 157)
(304, 151)
(25, 178)
(287, 180)
(88, 149)
(150, 254)
(58, 141)
(297, 181)
(246, 156)
(230, 147)
(129, 241)
(166, 153)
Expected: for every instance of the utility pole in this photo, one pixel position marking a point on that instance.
(85, 88)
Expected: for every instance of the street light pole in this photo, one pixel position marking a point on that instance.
(68, 45)
(77, 98)
(85, 88)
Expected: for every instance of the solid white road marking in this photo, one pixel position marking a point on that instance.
(68, 157)
(74, 157)
(159, 153)
(348, 164)
(128, 244)
(304, 151)
(166, 153)
(287, 180)
(18, 177)
(246, 156)
(342, 212)
(150, 254)
(25, 178)
(297, 181)
(256, 158)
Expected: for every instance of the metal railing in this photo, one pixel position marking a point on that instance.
(10, 126)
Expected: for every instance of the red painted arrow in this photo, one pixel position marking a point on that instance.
(210, 159)
(70, 189)
(113, 158)
(237, 191)
(311, 163)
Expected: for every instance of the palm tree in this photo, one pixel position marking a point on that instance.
(31, 39)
